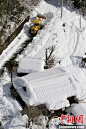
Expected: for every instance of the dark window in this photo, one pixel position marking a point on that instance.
(36, 24)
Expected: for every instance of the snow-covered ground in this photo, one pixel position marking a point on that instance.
(70, 45)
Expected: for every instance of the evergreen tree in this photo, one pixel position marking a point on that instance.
(11, 65)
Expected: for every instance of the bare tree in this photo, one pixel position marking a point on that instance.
(49, 59)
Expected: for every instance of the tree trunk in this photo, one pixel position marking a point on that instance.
(46, 57)
(80, 14)
(50, 54)
(11, 76)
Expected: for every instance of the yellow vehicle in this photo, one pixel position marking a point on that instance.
(37, 24)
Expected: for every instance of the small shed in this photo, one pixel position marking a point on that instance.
(30, 65)
(78, 109)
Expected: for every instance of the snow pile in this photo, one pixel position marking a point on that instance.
(43, 8)
(9, 108)
(19, 122)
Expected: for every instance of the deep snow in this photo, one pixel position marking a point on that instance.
(69, 40)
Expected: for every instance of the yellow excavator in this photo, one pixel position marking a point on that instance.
(37, 24)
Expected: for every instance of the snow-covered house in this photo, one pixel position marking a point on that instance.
(29, 65)
(51, 87)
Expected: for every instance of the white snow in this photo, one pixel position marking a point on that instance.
(70, 42)
(19, 122)
(51, 87)
(84, 56)
(78, 109)
(9, 108)
(29, 65)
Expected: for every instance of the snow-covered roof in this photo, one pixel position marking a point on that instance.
(51, 87)
(58, 105)
(78, 109)
(29, 65)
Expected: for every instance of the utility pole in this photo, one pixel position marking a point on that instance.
(80, 14)
(61, 8)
